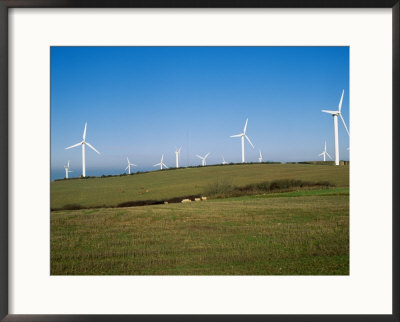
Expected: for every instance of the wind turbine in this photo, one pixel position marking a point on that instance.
(161, 164)
(242, 136)
(324, 153)
(83, 143)
(129, 166)
(223, 160)
(260, 159)
(203, 159)
(335, 127)
(66, 167)
(177, 154)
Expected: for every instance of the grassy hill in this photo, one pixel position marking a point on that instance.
(293, 233)
(166, 184)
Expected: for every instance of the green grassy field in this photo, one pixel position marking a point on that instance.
(300, 232)
(161, 185)
(293, 233)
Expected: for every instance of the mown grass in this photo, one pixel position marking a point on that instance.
(163, 185)
(297, 233)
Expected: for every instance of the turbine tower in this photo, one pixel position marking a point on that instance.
(335, 127)
(83, 143)
(177, 154)
(203, 159)
(161, 164)
(324, 153)
(260, 159)
(129, 166)
(242, 136)
(66, 167)
(223, 160)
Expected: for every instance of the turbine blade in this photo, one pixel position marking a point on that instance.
(236, 136)
(127, 160)
(329, 155)
(165, 166)
(156, 164)
(134, 164)
(330, 112)
(84, 132)
(321, 154)
(73, 146)
(344, 123)
(127, 168)
(92, 147)
(249, 141)
(199, 156)
(245, 126)
(341, 101)
(207, 155)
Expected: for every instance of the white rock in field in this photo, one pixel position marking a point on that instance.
(197, 199)
(186, 200)
(203, 198)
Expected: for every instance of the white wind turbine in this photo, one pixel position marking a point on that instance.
(223, 160)
(177, 154)
(129, 166)
(260, 159)
(324, 153)
(335, 127)
(66, 167)
(161, 164)
(83, 143)
(242, 136)
(203, 159)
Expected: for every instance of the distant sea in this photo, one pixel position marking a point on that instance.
(60, 173)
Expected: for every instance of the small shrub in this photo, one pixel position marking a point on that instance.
(219, 187)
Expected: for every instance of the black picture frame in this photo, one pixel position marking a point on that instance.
(4, 148)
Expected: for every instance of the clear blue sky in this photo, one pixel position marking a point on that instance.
(144, 101)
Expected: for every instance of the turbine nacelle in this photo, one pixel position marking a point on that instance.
(334, 113)
(203, 159)
(129, 163)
